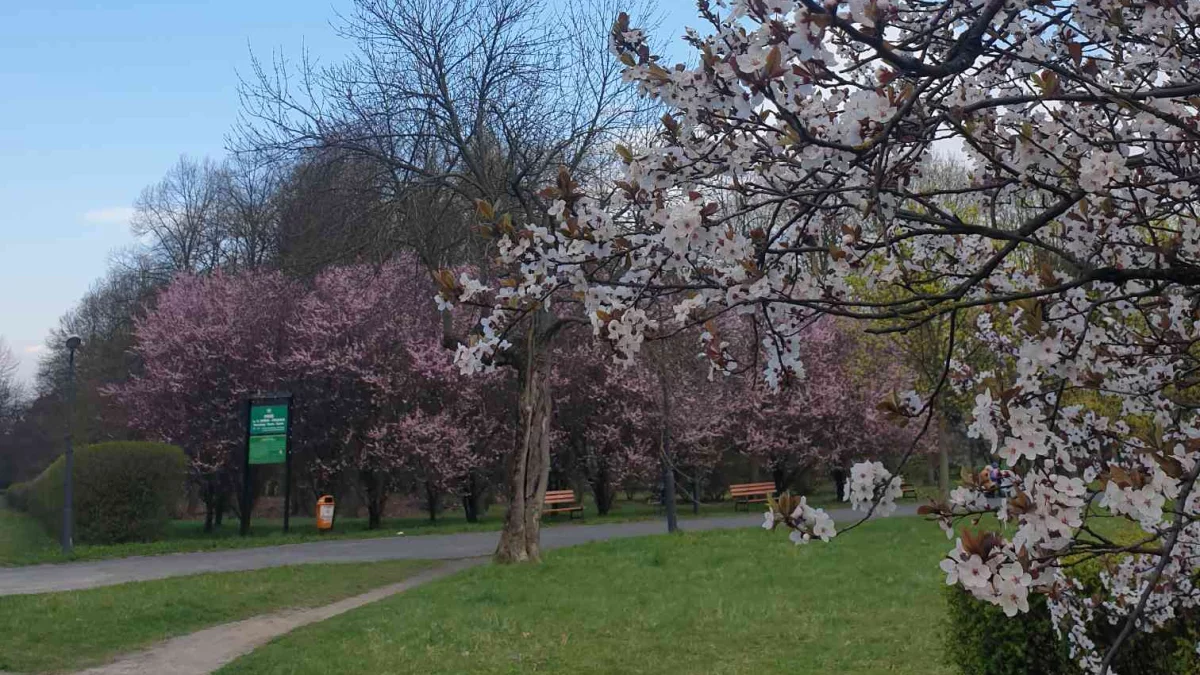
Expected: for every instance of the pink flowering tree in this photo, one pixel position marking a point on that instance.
(381, 397)
(207, 343)
(357, 348)
(825, 418)
(606, 426)
(786, 184)
(377, 398)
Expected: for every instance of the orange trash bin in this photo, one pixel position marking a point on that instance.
(325, 513)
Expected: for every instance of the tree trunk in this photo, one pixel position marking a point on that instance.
(603, 492)
(529, 466)
(669, 495)
(374, 514)
(431, 501)
(667, 468)
(375, 499)
(944, 472)
(839, 482)
(471, 498)
(781, 479)
(209, 506)
(222, 501)
(696, 494)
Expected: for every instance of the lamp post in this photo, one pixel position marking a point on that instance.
(73, 343)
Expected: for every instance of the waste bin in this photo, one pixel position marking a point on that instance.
(325, 512)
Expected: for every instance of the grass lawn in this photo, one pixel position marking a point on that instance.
(729, 602)
(22, 539)
(57, 631)
(23, 542)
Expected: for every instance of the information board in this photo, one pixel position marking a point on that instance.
(268, 433)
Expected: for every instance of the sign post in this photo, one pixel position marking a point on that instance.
(268, 440)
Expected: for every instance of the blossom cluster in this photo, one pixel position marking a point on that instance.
(804, 521)
(872, 488)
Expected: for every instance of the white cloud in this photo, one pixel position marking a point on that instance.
(35, 349)
(112, 215)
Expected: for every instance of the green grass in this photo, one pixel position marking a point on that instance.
(57, 631)
(22, 539)
(22, 542)
(729, 602)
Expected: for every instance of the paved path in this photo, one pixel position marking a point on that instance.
(207, 650)
(75, 576)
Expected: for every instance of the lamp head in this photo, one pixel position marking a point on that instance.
(73, 342)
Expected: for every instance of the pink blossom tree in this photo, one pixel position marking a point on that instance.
(828, 417)
(377, 399)
(207, 344)
(605, 421)
(381, 395)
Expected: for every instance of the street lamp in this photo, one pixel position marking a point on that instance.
(73, 343)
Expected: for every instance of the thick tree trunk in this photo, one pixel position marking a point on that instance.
(529, 466)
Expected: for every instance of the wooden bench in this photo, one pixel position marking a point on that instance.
(562, 501)
(750, 493)
(907, 489)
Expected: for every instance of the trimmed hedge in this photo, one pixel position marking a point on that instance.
(17, 496)
(124, 491)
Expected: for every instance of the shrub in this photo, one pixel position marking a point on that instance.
(124, 491)
(981, 640)
(17, 496)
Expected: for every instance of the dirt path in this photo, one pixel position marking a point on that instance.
(207, 650)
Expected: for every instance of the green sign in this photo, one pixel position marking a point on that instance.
(268, 433)
(268, 449)
(268, 420)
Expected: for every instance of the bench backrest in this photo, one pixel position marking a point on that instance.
(744, 489)
(560, 496)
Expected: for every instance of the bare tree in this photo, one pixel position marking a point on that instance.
(11, 390)
(445, 104)
(248, 196)
(179, 217)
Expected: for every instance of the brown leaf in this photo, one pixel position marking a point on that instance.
(485, 210)
(1076, 51)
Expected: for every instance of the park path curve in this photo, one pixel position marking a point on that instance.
(207, 650)
(81, 575)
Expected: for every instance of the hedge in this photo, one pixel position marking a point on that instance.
(124, 491)
(981, 640)
(17, 496)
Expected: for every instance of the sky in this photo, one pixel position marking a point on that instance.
(98, 99)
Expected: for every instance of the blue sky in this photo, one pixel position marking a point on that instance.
(99, 99)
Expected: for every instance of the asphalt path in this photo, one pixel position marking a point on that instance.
(81, 575)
